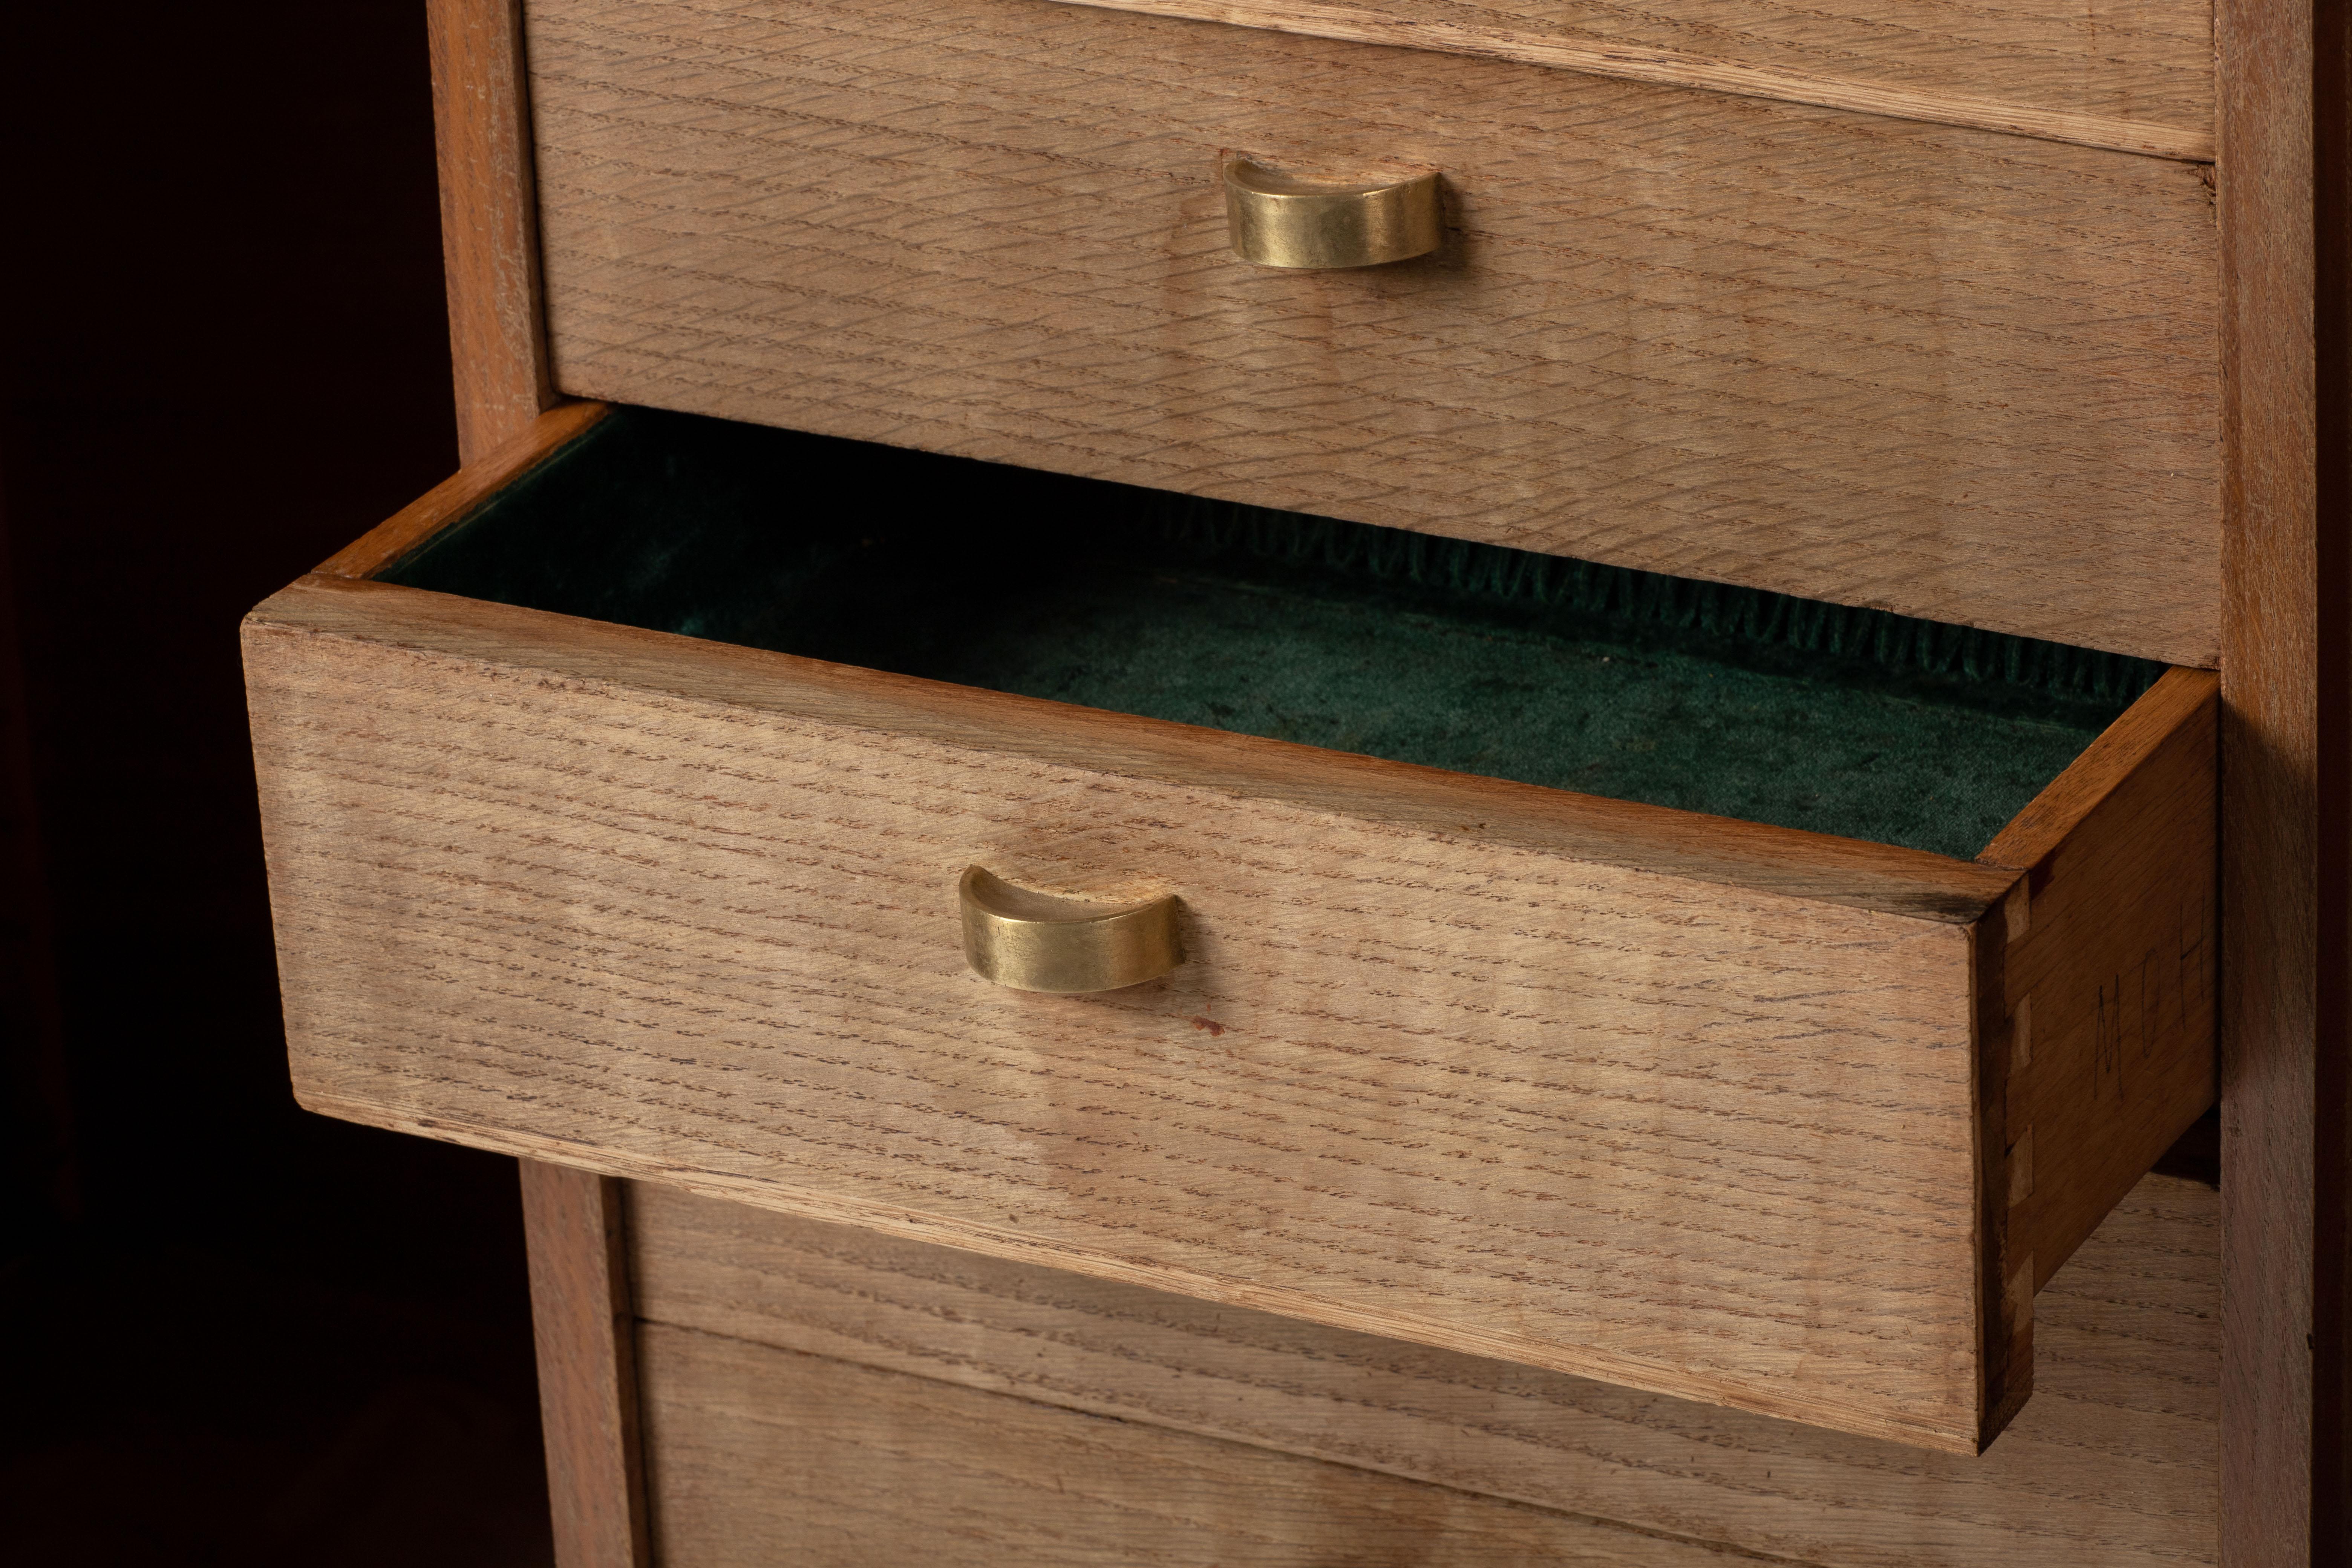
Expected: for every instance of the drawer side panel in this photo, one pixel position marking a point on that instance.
(2110, 986)
(1948, 372)
(1692, 1137)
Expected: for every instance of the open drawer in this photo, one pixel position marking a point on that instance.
(1762, 1087)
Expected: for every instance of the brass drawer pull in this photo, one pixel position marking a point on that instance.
(1035, 941)
(1285, 220)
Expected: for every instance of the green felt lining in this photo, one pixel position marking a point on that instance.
(1460, 656)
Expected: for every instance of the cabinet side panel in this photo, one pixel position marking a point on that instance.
(1690, 1137)
(2286, 1033)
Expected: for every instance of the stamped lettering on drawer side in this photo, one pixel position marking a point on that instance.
(2104, 1007)
(1958, 375)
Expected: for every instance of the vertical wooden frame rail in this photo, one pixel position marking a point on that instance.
(489, 224)
(582, 1324)
(2287, 600)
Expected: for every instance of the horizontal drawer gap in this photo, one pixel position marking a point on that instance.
(1677, 67)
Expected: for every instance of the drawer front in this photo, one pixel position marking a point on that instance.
(2113, 1466)
(1960, 374)
(758, 1456)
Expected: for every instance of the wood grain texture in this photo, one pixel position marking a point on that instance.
(584, 1333)
(2022, 73)
(766, 1457)
(2287, 591)
(2095, 1030)
(1958, 375)
(456, 496)
(2112, 1467)
(1439, 1083)
(489, 231)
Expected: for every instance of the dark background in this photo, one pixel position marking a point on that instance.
(234, 1333)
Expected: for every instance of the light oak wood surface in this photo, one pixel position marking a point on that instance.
(668, 909)
(1960, 374)
(2113, 1466)
(585, 1338)
(2137, 77)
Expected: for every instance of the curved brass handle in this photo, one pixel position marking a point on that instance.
(1284, 220)
(1035, 941)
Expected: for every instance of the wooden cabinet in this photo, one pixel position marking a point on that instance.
(1964, 313)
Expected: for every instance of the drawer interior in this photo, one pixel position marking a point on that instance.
(1473, 657)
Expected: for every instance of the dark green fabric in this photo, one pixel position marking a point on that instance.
(1465, 656)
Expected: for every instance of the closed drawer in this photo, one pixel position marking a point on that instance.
(2114, 1465)
(1961, 375)
(1741, 1111)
